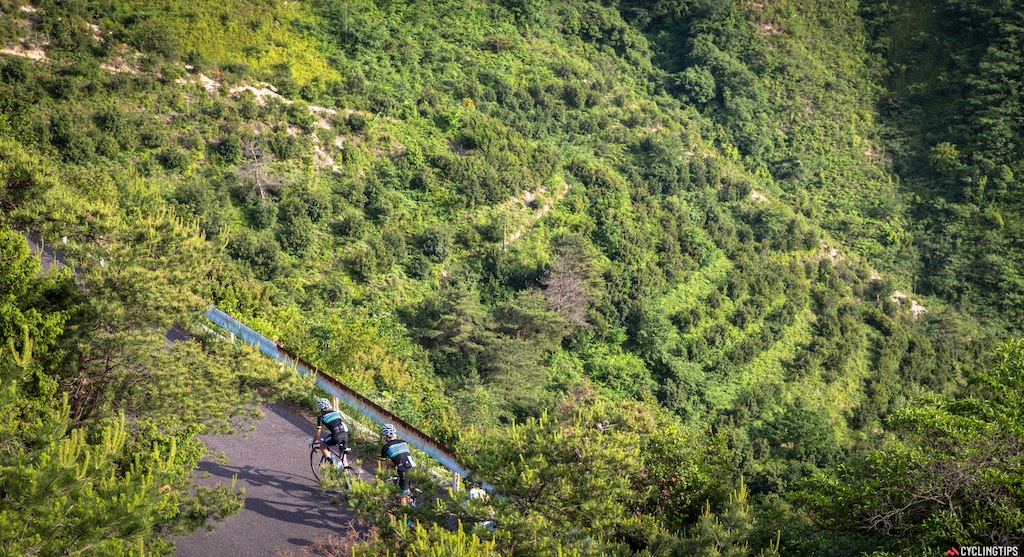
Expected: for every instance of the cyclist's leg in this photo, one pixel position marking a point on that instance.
(343, 448)
(405, 485)
(325, 445)
(341, 442)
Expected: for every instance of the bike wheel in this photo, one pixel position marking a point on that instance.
(316, 459)
(347, 474)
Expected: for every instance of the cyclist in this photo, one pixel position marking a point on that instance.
(477, 493)
(331, 419)
(398, 451)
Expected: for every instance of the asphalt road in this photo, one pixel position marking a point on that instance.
(48, 258)
(284, 508)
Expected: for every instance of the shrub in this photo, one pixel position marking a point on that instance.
(262, 254)
(150, 137)
(174, 159)
(264, 214)
(229, 149)
(297, 236)
(435, 243)
(73, 142)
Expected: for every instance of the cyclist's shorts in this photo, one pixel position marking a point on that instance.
(404, 482)
(336, 439)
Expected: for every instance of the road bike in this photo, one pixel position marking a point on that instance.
(317, 460)
(413, 498)
(413, 490)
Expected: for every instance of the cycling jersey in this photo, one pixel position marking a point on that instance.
(332, 421)
(398, 451)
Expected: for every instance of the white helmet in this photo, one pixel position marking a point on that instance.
(323, 404)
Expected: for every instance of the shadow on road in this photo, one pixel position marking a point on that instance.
(300, 493)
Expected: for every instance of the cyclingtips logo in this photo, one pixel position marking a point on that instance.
(983, 551)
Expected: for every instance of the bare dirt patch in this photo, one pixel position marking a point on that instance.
(261, 93)
(526, 199)
(32, 52)
(916, 309)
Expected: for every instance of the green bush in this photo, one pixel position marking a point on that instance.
(262, 254)
(264, 214)
(435, 243)
(174, 159)
(229, 149)
(75, 144)
(297, 235)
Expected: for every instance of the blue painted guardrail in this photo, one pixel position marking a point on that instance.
(332, 385)
(327, 382)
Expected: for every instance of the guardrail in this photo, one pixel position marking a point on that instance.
(336, 388)
(327, 382)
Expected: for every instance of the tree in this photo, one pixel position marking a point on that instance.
(111, 486)
(428, 542)
(566, 289)
(297, 236)
(727, 533)
(144, 281)
(454, 327)
(956, 474)
(25, 308)
(22, 176)
(229, 149)
(257, 160)
(593, 477)
(435, 243)
(620, 371)
(116, 489)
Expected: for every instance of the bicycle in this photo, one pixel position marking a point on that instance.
(317, 460)
(413, 490)
(412, 498)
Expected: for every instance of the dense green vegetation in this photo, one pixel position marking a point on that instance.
(954, 123)
(99, 421)
(758, 241)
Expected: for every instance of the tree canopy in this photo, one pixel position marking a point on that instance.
(777, 245)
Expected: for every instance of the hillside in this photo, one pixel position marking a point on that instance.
(713, 225)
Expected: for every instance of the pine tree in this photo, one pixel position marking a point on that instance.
(726, 534)
(107, 489)
(88, 486)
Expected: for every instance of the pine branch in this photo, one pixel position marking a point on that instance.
(21, 359)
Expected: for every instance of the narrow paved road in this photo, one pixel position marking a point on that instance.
(284, 509)
(48, 258)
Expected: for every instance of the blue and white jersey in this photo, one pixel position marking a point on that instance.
(398, 451)
(332, 421)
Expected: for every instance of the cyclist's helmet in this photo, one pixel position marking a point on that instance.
(388, 430)
(323, 404)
